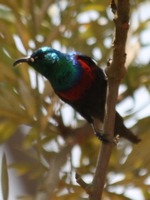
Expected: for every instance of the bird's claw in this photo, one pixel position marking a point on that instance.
(103, 138)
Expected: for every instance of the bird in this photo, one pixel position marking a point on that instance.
(79, 82)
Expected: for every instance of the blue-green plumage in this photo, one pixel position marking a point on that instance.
(78, 81)
(61, 70)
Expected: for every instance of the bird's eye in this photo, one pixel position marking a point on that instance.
(42, 55)
(39, 56)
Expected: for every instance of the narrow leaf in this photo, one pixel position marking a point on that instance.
(4, 178)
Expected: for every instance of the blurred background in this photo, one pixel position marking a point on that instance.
(43, 139)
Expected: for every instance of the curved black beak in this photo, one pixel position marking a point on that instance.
(22, 60)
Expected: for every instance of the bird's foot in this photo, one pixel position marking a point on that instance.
(102, 136)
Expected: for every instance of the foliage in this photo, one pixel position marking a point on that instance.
(32, 121)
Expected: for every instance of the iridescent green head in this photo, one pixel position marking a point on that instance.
(42, 60)
(57, 67)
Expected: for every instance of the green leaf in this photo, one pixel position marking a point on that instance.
(4, 178)
(31, 137)
(98, 7)
(7, 128)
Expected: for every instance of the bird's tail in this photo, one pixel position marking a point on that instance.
(131, 137)
(122, 131)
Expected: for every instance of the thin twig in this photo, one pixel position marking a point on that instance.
(84, 185)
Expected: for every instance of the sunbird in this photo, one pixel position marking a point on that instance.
(79, 82)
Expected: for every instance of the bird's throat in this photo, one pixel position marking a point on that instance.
(65, 77)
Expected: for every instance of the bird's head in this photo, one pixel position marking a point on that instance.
(42, 60)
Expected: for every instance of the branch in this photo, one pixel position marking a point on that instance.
(115, 71)
(85, 186)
